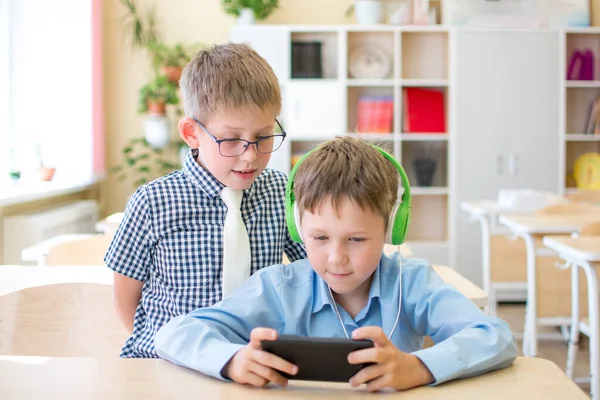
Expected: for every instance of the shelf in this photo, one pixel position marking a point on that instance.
(426, 209)
(370, 109)
(419, 155)
(365, 48)
(428, 191)
(582, 41)
(373, 136)
(583, 84)
(423, 137)
(424, 83)
(579, 102)
(580, 137)
(371, 82)
(328, 54)
(424, 55)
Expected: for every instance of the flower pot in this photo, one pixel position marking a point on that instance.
(246, 17)
(157, 131)
(172, 73)
(368, 12)
(46, 173)
(156, 108)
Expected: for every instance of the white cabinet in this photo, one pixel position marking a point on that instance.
(506, 105)
(312, 109)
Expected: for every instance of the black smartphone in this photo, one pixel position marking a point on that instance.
(317, 358)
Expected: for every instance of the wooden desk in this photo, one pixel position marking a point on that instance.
(84, 378)
(15, 277)
(584, 253)
(39, 251)
(530, 228)
(497, 279)
(463, 285)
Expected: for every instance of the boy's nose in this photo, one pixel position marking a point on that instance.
(251, 154)
(338, 255)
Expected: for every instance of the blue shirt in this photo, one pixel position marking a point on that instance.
(171, 239)
(293, 299)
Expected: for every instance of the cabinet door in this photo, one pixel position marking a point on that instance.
(314, 109)
(506, 124)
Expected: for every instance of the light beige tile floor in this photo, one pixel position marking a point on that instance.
(554, 350)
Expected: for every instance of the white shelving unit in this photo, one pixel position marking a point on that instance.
(578, 96)
(316, 110)
(512, 119)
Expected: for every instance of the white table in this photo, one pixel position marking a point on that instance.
(149, 379)
(528, 227)
(487, 213)
(584, 253)
(39, 251)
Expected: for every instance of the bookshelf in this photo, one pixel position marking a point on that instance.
(578, 94)
(507, 110)
(317, 108)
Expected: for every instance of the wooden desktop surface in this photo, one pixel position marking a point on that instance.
(115, 379)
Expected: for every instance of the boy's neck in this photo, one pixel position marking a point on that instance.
(355, 301)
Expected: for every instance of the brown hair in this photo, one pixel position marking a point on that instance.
(228, 77)
(346, 167)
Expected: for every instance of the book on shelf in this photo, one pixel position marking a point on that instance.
(423, 111)
(592, 124)
(375, 114)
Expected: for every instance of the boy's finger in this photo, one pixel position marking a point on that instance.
(259, 334)
(367, 374)
(275, 362)
(374, 333)
(372, 355)
(268, 373)
(253, 379)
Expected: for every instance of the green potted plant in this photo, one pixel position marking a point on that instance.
(248, 10)
(142, 162)
(156, 94)
(170, 60)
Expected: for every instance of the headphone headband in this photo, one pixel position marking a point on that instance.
(399, 217)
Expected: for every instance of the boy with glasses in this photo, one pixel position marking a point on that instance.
(191, 237)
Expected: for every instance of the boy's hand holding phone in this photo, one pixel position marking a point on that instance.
(251, 365)
(393, 368)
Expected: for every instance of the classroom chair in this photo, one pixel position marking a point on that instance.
(86, 251)
(586, 196)
(61, 320)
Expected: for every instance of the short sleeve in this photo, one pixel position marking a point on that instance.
(129, 253)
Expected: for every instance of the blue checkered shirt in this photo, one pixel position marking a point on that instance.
(170, 239)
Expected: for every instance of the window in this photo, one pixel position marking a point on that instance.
(46, 88)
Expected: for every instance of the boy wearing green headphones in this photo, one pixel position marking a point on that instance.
(342, 202)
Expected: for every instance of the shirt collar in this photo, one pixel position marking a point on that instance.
(206, 181)
(323, 298)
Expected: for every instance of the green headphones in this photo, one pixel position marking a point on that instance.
(399, 217)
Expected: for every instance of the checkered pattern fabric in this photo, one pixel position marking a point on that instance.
(170, 239)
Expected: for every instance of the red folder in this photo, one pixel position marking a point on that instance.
(424, 110)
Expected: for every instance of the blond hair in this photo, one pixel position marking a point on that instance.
(351, 168)
(228, 77)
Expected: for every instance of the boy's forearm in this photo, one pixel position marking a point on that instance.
(126, 314)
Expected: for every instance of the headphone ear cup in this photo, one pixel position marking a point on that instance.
(297, 223)
(291, 219)
(398, 224)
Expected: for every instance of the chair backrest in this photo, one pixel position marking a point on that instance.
(61, 320)
(570, 208)
(591, 229)
(86, 251)
(585, 196)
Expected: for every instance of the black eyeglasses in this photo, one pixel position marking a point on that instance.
(236, 147)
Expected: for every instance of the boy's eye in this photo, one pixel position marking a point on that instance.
(320, 238)
(357, 239)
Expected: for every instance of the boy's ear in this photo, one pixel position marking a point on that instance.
(187, 131)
